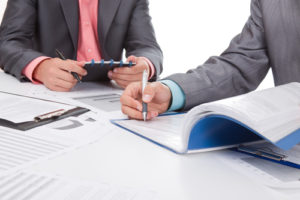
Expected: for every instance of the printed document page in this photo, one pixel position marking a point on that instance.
(12, 85)
(18, 109)
(19, 149)
(165, 130)
(36, 186)
(102, 97)
(273, 112)
(282, 180)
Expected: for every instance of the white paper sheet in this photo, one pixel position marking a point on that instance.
(165, 130)
(81, 95)
(273, 112)
(12, 85)
(20, 149)
(36, 186)
(281, 179)
(22, 109)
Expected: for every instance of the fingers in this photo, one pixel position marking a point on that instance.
(150, 91)
(57, 88)
(139, 68)
(134, 90)
(122, 84)
(132, 59)
(125, 77)
(129, 101)
(73, 66)
(80, 63)
(66, 76)
(135, 114)
(64, 84)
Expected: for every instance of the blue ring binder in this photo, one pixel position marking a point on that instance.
(93, 62)
(102, 63)
(121, 63)
(111, 62)
(130, 63)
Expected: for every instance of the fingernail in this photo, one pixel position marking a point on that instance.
(154, 114)
(85, 73)
(109, 74)
(115, 70)
(146, 97)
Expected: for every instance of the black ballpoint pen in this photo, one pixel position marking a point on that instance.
(61, 56)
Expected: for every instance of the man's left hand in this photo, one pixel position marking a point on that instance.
(126, 75)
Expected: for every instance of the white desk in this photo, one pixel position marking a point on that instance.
(126, 159)
(122, 158)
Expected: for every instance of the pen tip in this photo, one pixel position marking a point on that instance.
(144, 116)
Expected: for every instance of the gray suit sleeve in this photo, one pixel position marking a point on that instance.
(238, 70)
(16, 33)
(140, 40)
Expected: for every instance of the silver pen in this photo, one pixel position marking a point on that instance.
(144, 84)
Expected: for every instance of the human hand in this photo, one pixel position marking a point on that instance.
(126, 75)
(55, 74)
(156, 95)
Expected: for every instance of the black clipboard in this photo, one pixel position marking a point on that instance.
(24, 126)
(97, 70)
(44, 118)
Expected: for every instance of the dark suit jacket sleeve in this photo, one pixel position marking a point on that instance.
(140, 40)
(238, 70)
(16, 33)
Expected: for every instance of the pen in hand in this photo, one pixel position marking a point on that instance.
(61, 56)
(144, 84)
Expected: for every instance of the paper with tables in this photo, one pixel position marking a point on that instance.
(102, 97)
(19, 149)
(17, 109)
(27, 185)
(280, 179)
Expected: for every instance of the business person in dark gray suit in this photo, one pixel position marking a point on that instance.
(270, 39)
(31, 30)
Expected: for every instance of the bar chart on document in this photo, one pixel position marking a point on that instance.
(106, 102)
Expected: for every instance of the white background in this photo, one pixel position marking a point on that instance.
(191, 31)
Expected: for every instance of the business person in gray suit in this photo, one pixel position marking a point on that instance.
(270, 39)
(83, 30)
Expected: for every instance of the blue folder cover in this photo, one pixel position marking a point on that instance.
(215, 131)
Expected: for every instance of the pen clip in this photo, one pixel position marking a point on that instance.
(262, 153)
(50, 115)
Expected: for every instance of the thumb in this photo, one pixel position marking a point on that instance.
(149, 92)
(131, 58)
(81, 63)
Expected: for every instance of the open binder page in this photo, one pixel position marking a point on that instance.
(19, 109)
(274, 112)
(165, 130)
(35, 186)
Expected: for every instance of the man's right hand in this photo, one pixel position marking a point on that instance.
(157, 95)
(55, 74)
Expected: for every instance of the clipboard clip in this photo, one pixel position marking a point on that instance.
(50, 115)
(261, 153)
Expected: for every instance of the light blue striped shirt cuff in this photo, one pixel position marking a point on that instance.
(178, 96)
